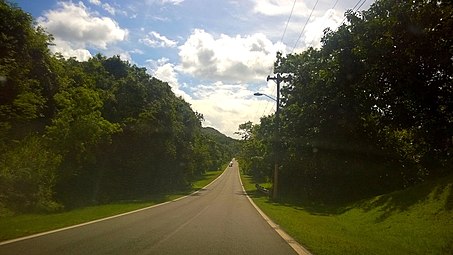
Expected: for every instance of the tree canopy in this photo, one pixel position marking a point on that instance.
(75, 133)
(371, 110)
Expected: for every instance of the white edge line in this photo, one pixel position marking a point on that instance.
(107, 218)
(299, 249)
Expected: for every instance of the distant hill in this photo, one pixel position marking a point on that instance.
(220, 136)
(228, 144)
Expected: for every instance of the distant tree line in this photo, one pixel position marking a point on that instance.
(369, 112)
(75, 133)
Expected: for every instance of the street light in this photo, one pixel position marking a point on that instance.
(278, 79)
(262, 94)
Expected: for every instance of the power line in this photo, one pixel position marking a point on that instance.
(287, 22)
(335, 4)
(266, 110)
(271, 69)
(303, 29)
(331, 8)
(354, 8)
(361, 5)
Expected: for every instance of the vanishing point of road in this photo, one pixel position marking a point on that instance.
(218, 219)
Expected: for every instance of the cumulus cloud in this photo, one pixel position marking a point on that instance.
(278, 11)
(314, 30)
(234, 59)
(75, 28)
(225, 106)
(68, 51)
(156, 40)
(110, 9)
(164, 2)
(173, 2)
(125, 55)
(280, 7)
(165, 71)
(95, 2)
(137, 51)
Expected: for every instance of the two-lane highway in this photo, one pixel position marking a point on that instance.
(217, 220)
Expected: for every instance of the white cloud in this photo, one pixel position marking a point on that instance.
(164, 2)
(75, 28)
(165, 71)
(278, 11)
(110, 9)
(154, 64)
(173, 2)
(314, 30)
(156, 40)
(95, 2)
(125, 56)
(239, 58)
(223, 105)
(280, 8)
(226, 106)
(67, 51)
(231, 66)
(137, 51)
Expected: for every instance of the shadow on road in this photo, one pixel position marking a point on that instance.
(241, 193)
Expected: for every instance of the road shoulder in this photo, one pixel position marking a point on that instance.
(299, 249)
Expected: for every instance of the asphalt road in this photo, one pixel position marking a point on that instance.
(217, 220)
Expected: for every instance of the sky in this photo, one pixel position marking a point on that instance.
(215, 54)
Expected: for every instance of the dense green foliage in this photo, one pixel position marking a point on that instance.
(75, 133)
(368, 112)
(217, 148)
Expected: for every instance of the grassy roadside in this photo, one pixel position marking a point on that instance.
(415, 221)
(26, 224)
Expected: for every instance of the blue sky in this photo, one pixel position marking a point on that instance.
(215, 54)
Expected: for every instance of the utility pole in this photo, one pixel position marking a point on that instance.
(278, 79)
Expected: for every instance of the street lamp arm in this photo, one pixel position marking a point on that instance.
(261, 94)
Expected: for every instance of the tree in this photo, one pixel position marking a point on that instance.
(256, 156)
(75, 133)
(28, 166)
(78, 126)
(28, 174)
(26, 80)
(370, 111)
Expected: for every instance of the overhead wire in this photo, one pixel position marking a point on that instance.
(356, 7)
(271, 69)
(265, 111)
(360, 6)
(335, 4)
(287, 22)
(361, 2)
(284, 32)
(303, 29)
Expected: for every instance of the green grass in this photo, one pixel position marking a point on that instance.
(26, 224)
(207, 178)
(418, 220)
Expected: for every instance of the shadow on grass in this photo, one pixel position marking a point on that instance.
(387, 204)
(298, 203)
(440, 190)
(155, 198)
